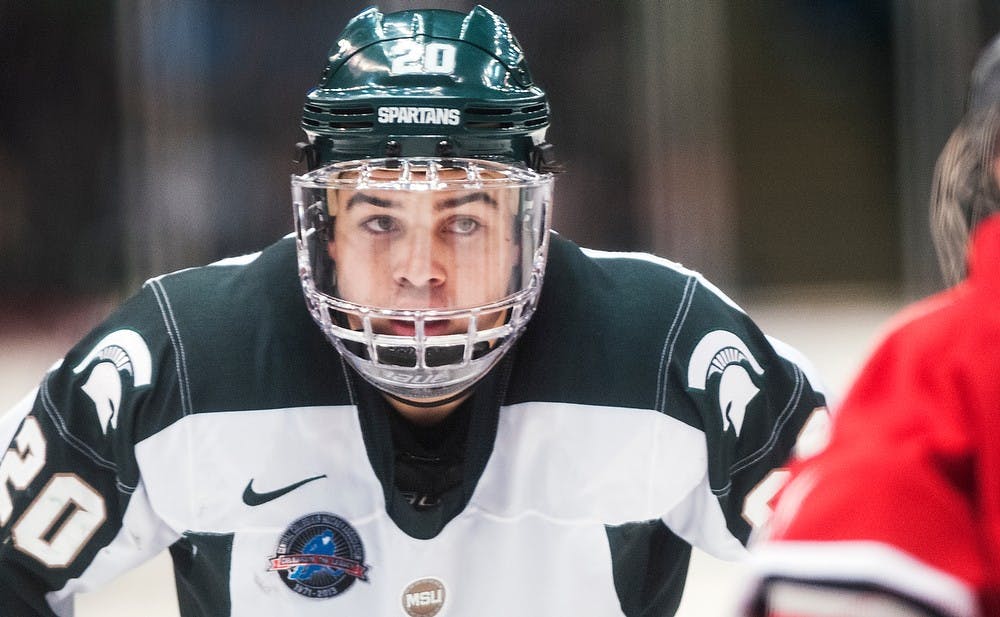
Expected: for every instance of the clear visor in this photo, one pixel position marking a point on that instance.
(421, 249)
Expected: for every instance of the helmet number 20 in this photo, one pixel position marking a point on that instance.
(409, 57)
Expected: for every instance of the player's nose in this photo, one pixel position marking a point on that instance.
(416, 263)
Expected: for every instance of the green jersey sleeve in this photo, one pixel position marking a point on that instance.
(71, 485)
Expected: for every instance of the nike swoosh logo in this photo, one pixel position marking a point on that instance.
(253, 498)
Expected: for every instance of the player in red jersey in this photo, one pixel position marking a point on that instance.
(900, 514)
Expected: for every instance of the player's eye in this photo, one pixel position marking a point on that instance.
(462, 225)
(380, 225)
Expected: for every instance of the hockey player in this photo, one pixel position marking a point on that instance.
(900, 515)
(469, 444)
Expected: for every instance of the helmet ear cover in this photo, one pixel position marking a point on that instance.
(427, 83)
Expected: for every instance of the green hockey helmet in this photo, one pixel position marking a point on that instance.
(427, 83)
(422, 225)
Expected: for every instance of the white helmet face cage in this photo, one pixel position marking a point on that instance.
(422, 271)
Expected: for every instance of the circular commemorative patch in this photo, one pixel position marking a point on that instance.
(319, 556)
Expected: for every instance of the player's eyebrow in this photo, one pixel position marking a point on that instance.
(365, 198)
(444, 204)
(454, 202)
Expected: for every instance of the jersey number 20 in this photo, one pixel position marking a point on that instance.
(64, 515)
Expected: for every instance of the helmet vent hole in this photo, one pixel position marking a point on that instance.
(352, 111)
(350, 125)
(486, 111)
(488, 125)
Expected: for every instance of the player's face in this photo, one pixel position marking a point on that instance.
(425, 249)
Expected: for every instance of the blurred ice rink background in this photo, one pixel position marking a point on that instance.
(769, 145)
(833, 326)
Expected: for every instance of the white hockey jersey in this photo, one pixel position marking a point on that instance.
(634, 418)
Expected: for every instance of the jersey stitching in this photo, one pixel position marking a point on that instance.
(668, 345)
(70, 438)
(76, 443)
(170, 323)
(722, 492)
(666, 263)
(783, 417)
(124, 488)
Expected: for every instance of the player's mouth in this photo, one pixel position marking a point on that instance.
(400, 327)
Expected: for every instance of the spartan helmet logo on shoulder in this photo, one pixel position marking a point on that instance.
(122, 351)
(723, 353)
